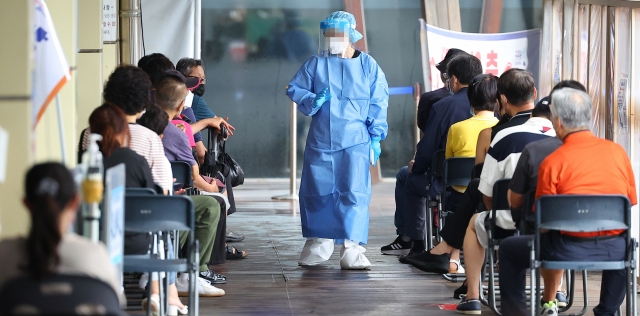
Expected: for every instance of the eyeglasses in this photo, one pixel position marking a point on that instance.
(202, 80)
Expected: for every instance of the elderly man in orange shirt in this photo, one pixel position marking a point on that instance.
(583, 164)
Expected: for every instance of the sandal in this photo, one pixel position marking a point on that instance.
(152, 303)
(459, 269)
(235, 254)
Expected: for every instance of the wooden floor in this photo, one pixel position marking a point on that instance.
(269, 281)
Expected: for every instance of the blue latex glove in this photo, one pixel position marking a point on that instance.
(321, 98)
(375, 148)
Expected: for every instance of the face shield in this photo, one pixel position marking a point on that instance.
(334, 38)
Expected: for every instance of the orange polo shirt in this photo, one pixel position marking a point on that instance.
(585, 164)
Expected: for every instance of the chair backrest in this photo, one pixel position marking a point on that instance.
(152, 213)
(500, 188)
(457, 170)
(59, 295)
(527, 216)
(583, 213)
(437, 164)
(182, 172)
(140, 191)
(477, 171)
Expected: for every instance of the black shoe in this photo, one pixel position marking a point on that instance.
(397, 247)
(462, 290)
(213, 277)
(428, 262)
(233, 237)
(405, 258)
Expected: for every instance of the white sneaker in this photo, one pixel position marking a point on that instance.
(316, 251)
(204, 287)
(352, 256)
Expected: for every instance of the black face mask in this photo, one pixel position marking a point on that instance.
(199, 90)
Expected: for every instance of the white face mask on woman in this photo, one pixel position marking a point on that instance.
(337, 47)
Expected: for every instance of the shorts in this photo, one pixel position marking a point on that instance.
(482, 221)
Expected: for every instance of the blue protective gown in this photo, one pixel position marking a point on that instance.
(335, 188)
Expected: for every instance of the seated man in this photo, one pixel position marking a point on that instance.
(500, 163)
(190, 67)
(412, 180)
(571, 117)
(517, 91)
(428, 99)
(170, 93)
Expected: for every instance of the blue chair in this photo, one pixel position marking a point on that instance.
(584, 213)
(59, 294)
(434, 203)
(182, 173)
(140, 191)
(149, 213)
(456, 171)
(499, 202)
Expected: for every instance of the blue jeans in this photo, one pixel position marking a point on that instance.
(411, 193)
(514, 261)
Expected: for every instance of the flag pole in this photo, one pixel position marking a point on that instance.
(61, 130)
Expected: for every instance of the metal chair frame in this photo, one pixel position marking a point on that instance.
(584, 213)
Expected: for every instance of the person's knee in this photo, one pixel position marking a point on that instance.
(402, 174)
(210, 211)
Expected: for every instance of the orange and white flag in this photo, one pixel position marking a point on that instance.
(51, 70)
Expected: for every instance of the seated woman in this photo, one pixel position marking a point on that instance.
(52, 200)
(462, 136)
(110, 122)
(445, 257)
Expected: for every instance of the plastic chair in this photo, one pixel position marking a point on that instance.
(499, 202)
(457, 171)
(182, 173)
(59, 294)
(149, 213)
(140, 191)
(434, 203)
(584, 213)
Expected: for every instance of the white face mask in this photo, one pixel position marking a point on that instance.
(337, 47)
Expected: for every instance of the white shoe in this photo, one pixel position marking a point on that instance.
(153, 303)
(316, 251)
(142, 283)
(352, 256)
(204, 287)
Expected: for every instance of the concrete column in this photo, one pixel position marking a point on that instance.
(15, 111)
(90, 62)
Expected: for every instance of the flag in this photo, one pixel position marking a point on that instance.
(51, 70)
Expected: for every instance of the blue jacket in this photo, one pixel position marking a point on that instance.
(444, 113)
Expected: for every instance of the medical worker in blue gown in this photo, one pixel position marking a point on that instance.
(346, 94)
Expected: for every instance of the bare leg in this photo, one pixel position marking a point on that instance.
(441, 248)
(474, 254)
(552, 280)
(174, 299)
(455, 255)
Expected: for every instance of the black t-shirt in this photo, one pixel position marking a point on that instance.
(138, 175)
(525, 176)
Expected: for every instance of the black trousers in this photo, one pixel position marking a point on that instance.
(456, 224)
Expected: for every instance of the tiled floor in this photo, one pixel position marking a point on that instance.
(270, 282)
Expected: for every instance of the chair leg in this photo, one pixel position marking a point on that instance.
(570, 276)
(585, 293)
(492, 281)
(429, 225)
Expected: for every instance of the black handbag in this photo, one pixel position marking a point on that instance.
(223, 166)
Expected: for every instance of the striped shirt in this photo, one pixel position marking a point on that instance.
(147, 144)
(503, 155)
